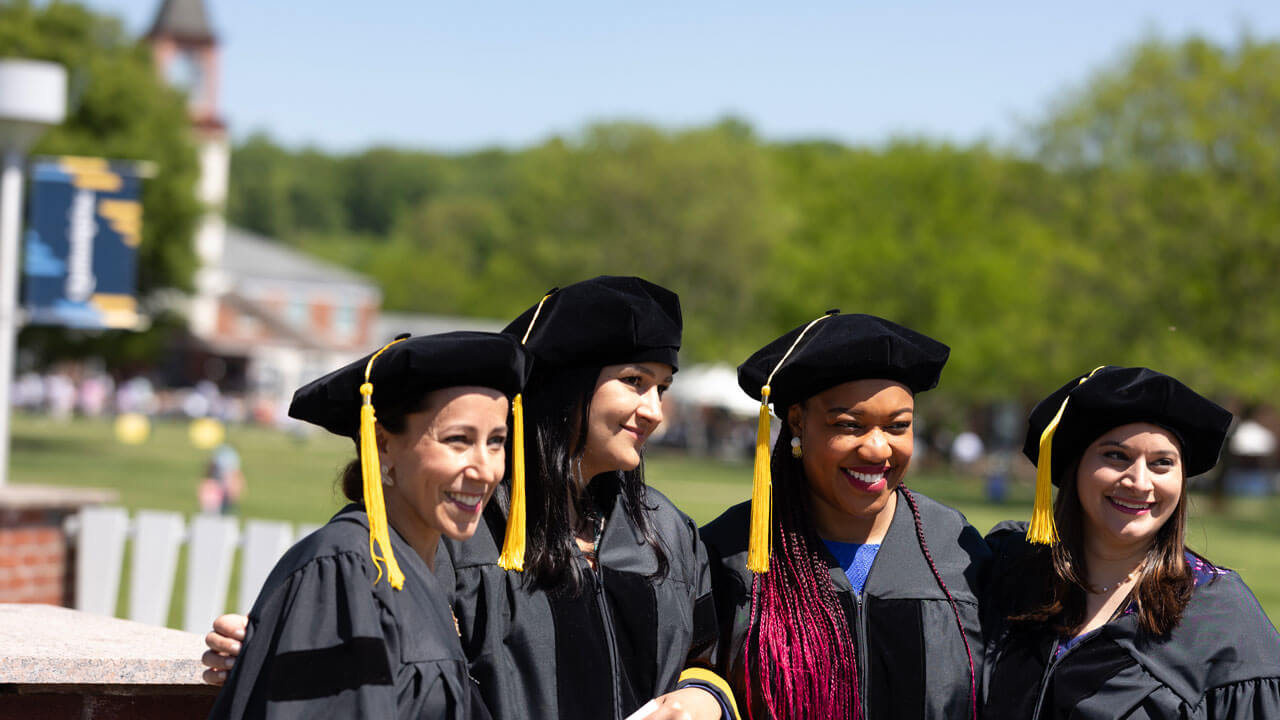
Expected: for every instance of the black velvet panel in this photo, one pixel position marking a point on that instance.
(309, 674)
(704, 624)
(635, 619)
(1015, 680)
(583, 679)
(896, 666)
(1083, 672)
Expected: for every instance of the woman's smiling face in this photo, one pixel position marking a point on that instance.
(857, 440)
(446, 463)
(1129, 482)
(626, 407)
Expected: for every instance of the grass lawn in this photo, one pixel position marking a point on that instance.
(291, 478)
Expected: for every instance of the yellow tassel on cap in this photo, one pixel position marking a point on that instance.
(513, 542)
(761, 537)
(760, 540)
(512, 557)
(1043, 531)
(371, 476)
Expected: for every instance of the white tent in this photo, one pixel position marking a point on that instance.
(713, 386)
(1252, 439)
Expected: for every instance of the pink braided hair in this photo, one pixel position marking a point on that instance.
(805, 660)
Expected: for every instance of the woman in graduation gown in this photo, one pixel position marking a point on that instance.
(1098, 609)
(352, 622)
(840, 593)
(609, 606)
(611, 598)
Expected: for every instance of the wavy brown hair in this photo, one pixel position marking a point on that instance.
(1164, 585)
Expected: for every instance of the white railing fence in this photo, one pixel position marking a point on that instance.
(100, 533)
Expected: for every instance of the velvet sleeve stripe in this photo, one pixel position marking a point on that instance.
(705, 629)
(309, 674)
(714, 684)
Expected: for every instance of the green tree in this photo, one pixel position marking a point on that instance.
(280, 193)
(1173, 163)
(259, 185)
(119, 109)
(954, 242)
(459, 236)
(693, 210)
(381, 183)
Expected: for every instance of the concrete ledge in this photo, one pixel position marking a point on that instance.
(49, 646)
(43, 497)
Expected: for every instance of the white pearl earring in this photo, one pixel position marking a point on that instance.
(386, 476)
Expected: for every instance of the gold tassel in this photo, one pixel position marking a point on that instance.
(1043, 530)
(760, 541)
(512, 557)
(513, 542)
(375, 508)
(761, 537)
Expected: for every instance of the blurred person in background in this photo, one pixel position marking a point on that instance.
(352, 621)
(136, 395)
(1098, 609)
(840, 593)
(28, 392)
(223, 483)
(59, 395)
(94, 392)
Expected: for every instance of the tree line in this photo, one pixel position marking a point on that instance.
(1137, 221)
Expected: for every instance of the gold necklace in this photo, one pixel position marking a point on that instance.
(1121, 581)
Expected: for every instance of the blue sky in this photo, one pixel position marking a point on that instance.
(458, 76)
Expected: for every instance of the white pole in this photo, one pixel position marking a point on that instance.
(10, 225)
(33, 96)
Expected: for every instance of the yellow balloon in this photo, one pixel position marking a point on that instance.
(132, 428)
(206, 433)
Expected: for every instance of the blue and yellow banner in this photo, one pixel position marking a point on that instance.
(81, 250)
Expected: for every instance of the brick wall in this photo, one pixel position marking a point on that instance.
(33, 557)
(91, 706)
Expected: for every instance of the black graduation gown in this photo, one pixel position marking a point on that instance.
(1222, 660)
(325, 641)
(601, 654)
(912, 663)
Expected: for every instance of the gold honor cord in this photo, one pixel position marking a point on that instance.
(1043, 531)
(760, 543)
(513, 543)
(372, 481)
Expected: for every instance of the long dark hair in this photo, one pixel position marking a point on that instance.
(796, 617)
(557, 401)
(1164, 585)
